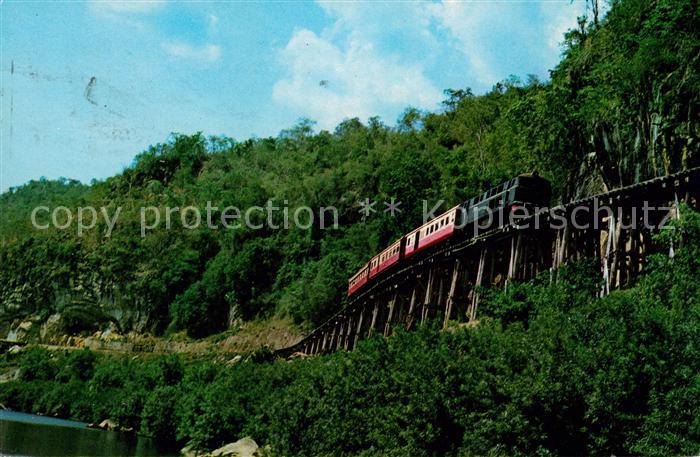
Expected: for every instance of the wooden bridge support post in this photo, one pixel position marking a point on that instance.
(350, 333)
(428, 295)
(514, 263)
(451, 294)
(332, 343)
(624, 248)
(561, 250)
(390, 317)
(324, 342)
(441, 298)
(477, 283)
(616, 254)
(609, 249)
(342, 337)
(339, 335)
(374, 319)
(401, 307)
(412, 307)
(358, 331)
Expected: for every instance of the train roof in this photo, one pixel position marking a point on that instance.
(521, 178)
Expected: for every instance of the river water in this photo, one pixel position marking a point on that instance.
(29, 435)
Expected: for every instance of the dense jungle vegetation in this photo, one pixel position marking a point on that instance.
(621, 106)
(549, 370)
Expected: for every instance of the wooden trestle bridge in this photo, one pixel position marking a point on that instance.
(444, 282)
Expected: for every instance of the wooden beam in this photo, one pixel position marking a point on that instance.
(478, 282)
(331, 343)
(515, 248)
(374, 318)
(339, 337)
(609, 246)
(350, 333)
(451, 295)
(441, 293)
(389, 319)
(412, 307)
(428, 293)
(358, 332)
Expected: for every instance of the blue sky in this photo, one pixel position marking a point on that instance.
(87, 85)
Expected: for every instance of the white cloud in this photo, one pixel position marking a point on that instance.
(352, 68)
(330, 84)
(502, 37)
(560, 19)
(472, 26)
(206, 53)
(125, 6)
(376, 57)
(376, 19)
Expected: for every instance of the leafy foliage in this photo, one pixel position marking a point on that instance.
(554, 371)
(621, 106)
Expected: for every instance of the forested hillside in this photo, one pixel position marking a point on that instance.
(549, 370)
(620, 107)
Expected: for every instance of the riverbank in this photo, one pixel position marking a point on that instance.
(273, 333)
(29, 434)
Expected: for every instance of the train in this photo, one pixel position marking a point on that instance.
(526, 191)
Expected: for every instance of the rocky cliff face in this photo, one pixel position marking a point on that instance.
(85, 302)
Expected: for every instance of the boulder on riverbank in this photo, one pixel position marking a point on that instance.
(245, 447)
(112, 426)
(108, 424)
